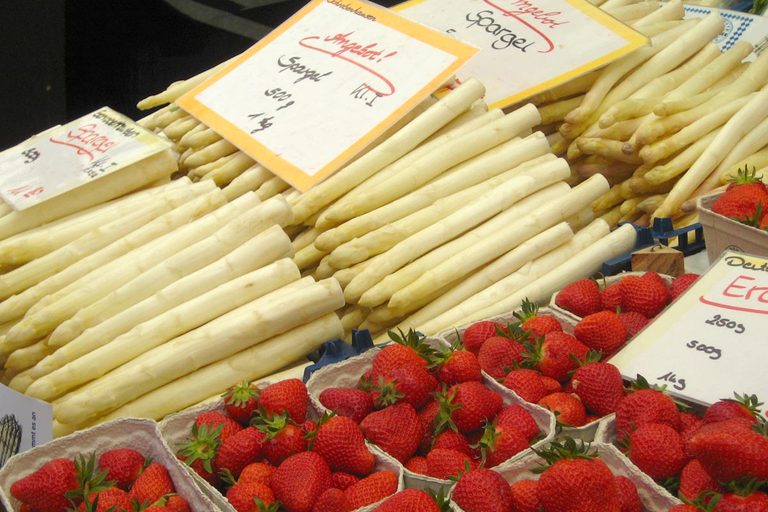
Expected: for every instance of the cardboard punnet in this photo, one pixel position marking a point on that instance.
(722, 233)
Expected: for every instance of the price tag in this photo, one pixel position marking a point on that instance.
(711, 342)
(24, 423)
(527, 46)
(316, 91)
(65, 157)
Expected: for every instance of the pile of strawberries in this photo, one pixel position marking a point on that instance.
(716, 462)
(265, 454)
(612, 314)
(745, 200)
(547, 366)
(121, 481)
(430, 411)
(572, 479)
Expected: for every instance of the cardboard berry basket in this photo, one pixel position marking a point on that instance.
(347, 373)
(139, 434)
(564, 313)
(722, 233)
(653, 496)
(176, 430)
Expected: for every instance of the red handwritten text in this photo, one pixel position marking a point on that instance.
(86, 140)
(532, 17)
(751, 297)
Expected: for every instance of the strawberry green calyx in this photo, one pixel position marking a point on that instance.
(388, 394)
(706, 501)
(568, 448)
(89, 480)
(273, 425)
(487, 441)
(745, 176)
(441, 500)
(528, 310)
(262, 507)
(642, 383)
(240, 394)
(745, 487)
(202, 446)
(447, 405)
(312, 434)
(414, 340)
(750, 402)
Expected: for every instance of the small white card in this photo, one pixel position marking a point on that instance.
(315, 92)
(527, 46)
(65, 157)
(713, 340)
(24, 423)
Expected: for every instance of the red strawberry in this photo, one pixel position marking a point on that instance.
(351, 402)
(646, 294)
(500, 443)
(555, 355)
(742, 406)
(518, 417)
(457, 365)
(633, 322)
(250, 496)
(283, 439)
(550, 385)
(482, 490)
(537, 325)
(106, 500)
(371, 489)
(731, 452)
(444, 463)
(610, 297)
(467, 406)
(743, 196)
(602, 331)
(576, 481)
(499, 355)
(239, 450)
(288, 396)
(452, 440)
(300, 480)
(526, 383)
(122, 465)
(341, 480)
(580, 297)
(410, 500)
(754, 501)
(408, 349)
(525, 496)
(599, 386)
(417, 464)
(176, 503)
(659, 464)
(152, 484)
(332, 500)
(257, 472)
(694, 480)
(680, 284)
(241, 401)
(427, 418)
(645, 406)
(342, 444)
(628, 497)
(412, 384)
(396, 430)
(475, 335)
(567, 408)
(214, 419)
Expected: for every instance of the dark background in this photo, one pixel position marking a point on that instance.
(61, 59)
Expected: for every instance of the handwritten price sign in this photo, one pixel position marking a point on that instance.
(527, 46)
(68, 156)
(711, 342)
(311, 95)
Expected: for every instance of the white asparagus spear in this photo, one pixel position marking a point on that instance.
(262, 250)
(179, 88)
(248, 365)
(439, 160)
(469, 216)
(208, 154)
(748, 145)
(17, 305)
(250, 180)
(242, 328)
(98, 191)
(490, 248)
(27, 357)
(434, 118)
(672, 10)
(80, 362)
(272, 213)
(41, 268)
(224, 174)
(98, 283)
(461, 177)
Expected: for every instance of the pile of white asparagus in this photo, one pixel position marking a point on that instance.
(155, 301)
(667, 123)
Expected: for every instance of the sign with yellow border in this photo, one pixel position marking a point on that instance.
(527, 46)
(316, 91)
(710, 342)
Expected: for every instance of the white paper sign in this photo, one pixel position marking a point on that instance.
(310, 96)
(527, 46)
(738, 26)
(71, 155)
(24, 423)
(713, 340)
